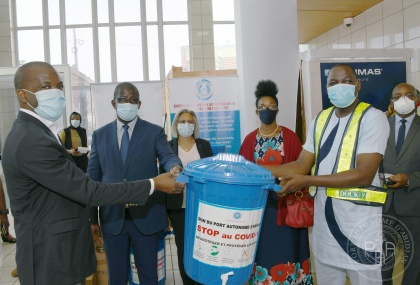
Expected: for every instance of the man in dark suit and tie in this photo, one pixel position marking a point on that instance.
(124, 150)
(48, 192)
(402, 161)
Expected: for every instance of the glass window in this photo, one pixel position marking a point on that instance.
(151, 11)
(55, 46)
(129, 53)
(80, 50)
(104, 55)
(153, 50)
(176, 47)
(223, 10)
(175, 10)
(103, 15)
(127, 11)
(225, 46)
(53, 12)
(29, 13)
(78, 12)
(31, 46)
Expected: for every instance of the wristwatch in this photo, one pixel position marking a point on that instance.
(4, 212)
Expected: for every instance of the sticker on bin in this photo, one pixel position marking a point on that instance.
(226, 236)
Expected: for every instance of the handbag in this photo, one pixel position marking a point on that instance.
(300, 209)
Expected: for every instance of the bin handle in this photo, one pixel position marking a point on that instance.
(182, 178)
(275, 187)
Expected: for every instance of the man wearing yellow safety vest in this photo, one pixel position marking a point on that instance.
(401, 219)
(343, 150)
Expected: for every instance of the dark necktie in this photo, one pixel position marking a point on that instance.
(125, 140)
(401, 136)
(326, 147)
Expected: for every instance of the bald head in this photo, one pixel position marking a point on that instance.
(33, 77)
(26, 72)
(406, 86)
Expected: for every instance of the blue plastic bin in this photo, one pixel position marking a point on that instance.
(226, 196)
(133, 278)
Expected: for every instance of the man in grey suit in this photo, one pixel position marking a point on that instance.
(49, 193)
(401, 209)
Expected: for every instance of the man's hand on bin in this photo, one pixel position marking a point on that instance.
(166, 183)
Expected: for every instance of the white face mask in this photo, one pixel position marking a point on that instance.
(404, 105)
(75, 123)
(185, 130)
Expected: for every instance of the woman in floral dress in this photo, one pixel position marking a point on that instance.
(282, 256)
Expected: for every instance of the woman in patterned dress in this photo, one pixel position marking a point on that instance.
(283, 256)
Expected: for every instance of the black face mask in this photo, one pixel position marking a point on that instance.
(267, 116)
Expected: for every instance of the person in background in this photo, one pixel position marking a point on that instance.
(189, 147)
(49, 193)
(402, 163)
(126, 150)
(344, 147)
(283, 252)
(73, 137)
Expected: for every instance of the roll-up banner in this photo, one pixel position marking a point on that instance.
(215, 102)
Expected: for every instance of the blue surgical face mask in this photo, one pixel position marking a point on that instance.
(127, 111)
(185, 130)
(342, 95)
(51, 103)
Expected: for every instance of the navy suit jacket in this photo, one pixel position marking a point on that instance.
(147, 144)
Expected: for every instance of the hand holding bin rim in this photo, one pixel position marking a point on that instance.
(225, 202)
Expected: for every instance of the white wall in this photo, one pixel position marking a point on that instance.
(391, 24)
(267, 48)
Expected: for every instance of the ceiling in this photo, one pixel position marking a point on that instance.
(316, 17)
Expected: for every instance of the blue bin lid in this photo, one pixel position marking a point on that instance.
(228, 168)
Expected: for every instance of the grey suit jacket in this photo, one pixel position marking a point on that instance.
(406, 200)
(48, 194)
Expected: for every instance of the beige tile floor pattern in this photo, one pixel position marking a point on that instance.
(172, 269)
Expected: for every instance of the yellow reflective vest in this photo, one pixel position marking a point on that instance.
(346, 156)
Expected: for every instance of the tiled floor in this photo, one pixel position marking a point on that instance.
(9, 261)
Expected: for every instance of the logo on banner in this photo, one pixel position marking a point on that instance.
(204, 89)
(361, 72)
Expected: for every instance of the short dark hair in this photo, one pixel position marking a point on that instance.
(19, 75)
(346, 65)
(127, 85)
(266, 88)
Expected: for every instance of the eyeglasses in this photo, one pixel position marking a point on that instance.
(412, 97)
(271, 108)
(124, 100)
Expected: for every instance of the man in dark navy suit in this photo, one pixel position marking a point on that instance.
(127, 149)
